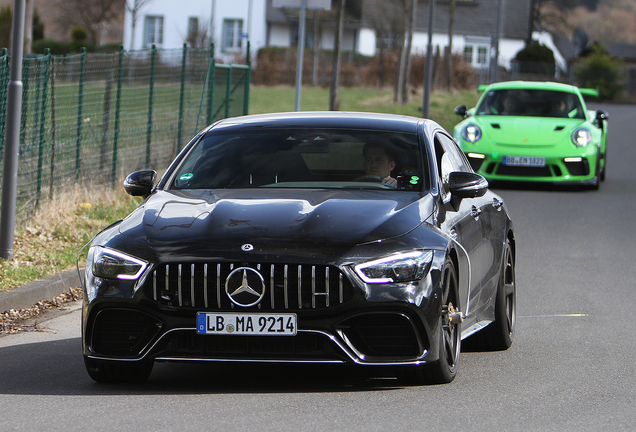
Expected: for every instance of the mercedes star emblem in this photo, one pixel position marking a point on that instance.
(247, 247)
(245, 287)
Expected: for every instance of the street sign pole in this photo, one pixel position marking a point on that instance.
(14, 110)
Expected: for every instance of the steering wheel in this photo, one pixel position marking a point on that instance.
(369, 178)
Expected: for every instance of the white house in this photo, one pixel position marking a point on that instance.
(170, 24)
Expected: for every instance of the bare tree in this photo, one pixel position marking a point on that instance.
(335, 73)
(28, 26)
(198, 36)
(387, 23)
(405, 58)
(449, 50)
(92, 15)
(134, 6)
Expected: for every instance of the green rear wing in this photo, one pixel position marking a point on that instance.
(584, 91)
(589, 92)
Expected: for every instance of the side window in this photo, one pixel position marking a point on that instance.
(459, 161)
(444, 168)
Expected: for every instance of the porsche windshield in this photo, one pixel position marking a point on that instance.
(302, 158)
(532, 103)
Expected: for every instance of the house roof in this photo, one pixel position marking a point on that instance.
(472, 17)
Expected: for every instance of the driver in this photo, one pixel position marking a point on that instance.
(379, 162)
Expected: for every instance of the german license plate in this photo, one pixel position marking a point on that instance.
(527, 161)
(283, 324)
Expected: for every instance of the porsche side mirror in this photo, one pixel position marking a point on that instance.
(467, 185)
(461, 110)
(602, 115)
(600, 119)
(140, 183)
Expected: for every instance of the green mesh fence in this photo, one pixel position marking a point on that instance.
(92, 118)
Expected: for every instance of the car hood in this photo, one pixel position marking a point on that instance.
(211, 222)
(527, 131)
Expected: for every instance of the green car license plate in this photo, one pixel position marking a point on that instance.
(525, 161)
(283, 324)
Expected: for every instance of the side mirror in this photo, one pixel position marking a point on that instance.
(467, 185)
(600, 118)
(461, 110)
(140, 183)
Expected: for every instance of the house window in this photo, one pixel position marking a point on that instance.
(154, 31)
(482, 55)
(193, 27)
(309, 36)
(232, 31)
(193, 32)
(476, 53)
(468, 53)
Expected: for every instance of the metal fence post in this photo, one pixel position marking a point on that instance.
(3, 96)
(212, 75)
(182, 95)
(228, 91)
(153, 57)
(43, 79)
(120, 78)
(26, 75)
(248, 78)
(80, 106)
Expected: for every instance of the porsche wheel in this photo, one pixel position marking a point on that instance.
(104, 371)
(500, 334)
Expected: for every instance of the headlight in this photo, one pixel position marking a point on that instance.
(111, 264)
(471, 133)
(401, 267)
(581, 137)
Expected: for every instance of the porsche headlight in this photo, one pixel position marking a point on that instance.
(111, 264)
(581, 137)
(471, 133)
(401, 267)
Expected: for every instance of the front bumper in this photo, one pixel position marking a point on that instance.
(574, 169)
(385, 325)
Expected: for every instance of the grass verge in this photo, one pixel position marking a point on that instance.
(49, 241)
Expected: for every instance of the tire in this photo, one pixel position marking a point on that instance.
(444, 370)
(104, 371)
(597, 179)
(500, 333)
(604, 167)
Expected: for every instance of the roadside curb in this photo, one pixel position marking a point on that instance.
(27, 295)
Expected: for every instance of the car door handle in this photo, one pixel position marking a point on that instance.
(475, 212)
(497, 204)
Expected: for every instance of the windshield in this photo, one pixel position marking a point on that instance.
(533, 103)
(302, 158)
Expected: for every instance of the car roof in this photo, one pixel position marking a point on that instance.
(326, 119)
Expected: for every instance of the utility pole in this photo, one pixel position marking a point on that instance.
(14, 110)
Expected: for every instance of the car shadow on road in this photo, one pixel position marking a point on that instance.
(57, 368)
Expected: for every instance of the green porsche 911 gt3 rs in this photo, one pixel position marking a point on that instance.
(534, 131)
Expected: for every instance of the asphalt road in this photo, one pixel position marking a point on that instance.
(571, 367)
